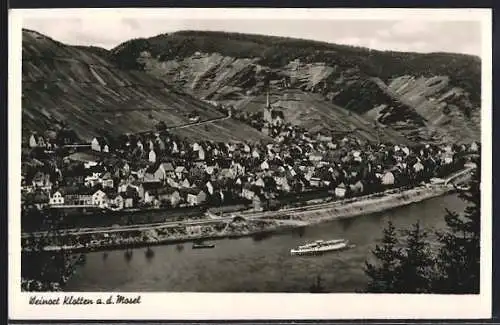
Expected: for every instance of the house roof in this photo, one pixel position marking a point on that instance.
(167, 190)
(168, 166)
(113, 195)
(40, 198)
(68, 190)
(180, 169)
(151, 185)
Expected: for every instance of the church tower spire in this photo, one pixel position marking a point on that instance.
(267, 109)
(268, 103)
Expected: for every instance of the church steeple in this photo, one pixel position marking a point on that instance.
(268, 103)
(267, 110)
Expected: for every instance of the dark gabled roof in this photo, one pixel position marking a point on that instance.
(152, 169)
(40, 198)
(102, 141)
(167, 190)
(275, 113)
(67, 190)
(151, 185)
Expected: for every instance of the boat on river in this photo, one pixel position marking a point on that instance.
(321, 246)
(203, 245)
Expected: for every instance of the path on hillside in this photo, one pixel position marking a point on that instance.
(217, 119)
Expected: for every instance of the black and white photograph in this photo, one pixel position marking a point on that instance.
(251, 154)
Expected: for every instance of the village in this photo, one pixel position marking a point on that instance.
(159, 170)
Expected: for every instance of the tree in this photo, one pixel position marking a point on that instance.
(161, 126)
(459, 257)
(383, 277)
(417, 265)
(414, 268)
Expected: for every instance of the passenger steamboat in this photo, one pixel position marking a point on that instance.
(321, 246)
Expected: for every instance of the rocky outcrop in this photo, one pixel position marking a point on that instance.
(434, 96)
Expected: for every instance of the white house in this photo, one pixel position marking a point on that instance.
(417, 167)
(95, 145)
(107, 181)
(357, 188)
(247, 193)
(474, 147)
(210, 188)
(175, 198)
(185, 183)
(196, 199)
(91, 181)
(148, 197)
(32, 141)
(56, 199)
(140, 145)
(264, 165)
(106, 148)
(100, 199)
(89, 164)
(174, 148)
(179, 171)
(201, 154)
(260, 182)
(256, 203)
(315, 156)
(388, 179)
(152, 156)
(314, 181)
(340, 191)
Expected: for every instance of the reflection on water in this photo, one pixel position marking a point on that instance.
(259, 263)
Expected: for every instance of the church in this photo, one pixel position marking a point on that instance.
(272, 116)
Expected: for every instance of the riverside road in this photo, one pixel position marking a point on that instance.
(214, 219)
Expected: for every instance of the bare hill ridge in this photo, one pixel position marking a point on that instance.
(80, 88)
(424, 96)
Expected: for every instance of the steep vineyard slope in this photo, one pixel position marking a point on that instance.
(314, 113)
(80, 88)
(229, 68)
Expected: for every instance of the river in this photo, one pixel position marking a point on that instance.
(254, 264)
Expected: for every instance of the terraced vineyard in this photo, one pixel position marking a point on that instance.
(314, 113)
(425, 97)
(73, 86)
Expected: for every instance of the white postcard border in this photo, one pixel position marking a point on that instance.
(196, 306)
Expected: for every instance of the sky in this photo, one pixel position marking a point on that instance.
(398, 35)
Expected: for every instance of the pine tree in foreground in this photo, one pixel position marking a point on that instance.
(416, 269)
(458, 260)
(384, 275)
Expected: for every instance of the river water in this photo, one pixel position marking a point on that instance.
(257, 264)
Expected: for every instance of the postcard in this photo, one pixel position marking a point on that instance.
(198, 164)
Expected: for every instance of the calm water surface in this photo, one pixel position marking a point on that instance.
(257, 264)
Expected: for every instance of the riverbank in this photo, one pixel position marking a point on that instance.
(258, 263)
(231, 227)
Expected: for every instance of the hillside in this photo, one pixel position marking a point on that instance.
(424, 96)
(79, 88)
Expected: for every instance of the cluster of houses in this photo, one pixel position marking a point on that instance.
(158, 169)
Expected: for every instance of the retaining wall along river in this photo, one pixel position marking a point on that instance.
(250, 223)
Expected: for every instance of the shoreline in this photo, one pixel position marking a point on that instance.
(262, 223)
